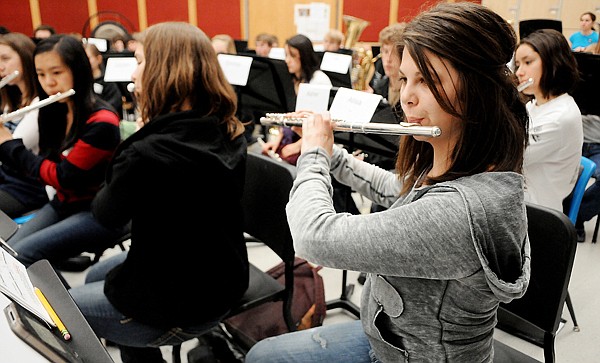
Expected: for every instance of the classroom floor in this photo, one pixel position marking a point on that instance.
(571, 346)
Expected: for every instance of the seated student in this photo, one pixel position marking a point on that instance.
(553, 154)
(581, 41)
(333, 41)
(108, 91)
(20, 194)
(432, 291)
(223, 44)
(264, 43)
(78, 136)
(117, 44)
(303, 65)
(388, 83)
(191, 140)
(43, 31)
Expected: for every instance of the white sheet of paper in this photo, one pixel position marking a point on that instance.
(119, 69)
(354, 106)
(236, 68)
(312, 97)
(336, 62)
(277, 53)
(101, 44)
(16, 285)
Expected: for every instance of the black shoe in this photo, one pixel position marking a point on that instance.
(362, 277)
(580, 235)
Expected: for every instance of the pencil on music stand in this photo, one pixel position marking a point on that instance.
(63, 330)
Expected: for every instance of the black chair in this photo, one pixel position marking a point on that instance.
(527, 27)
(266, 193)
(536, 316)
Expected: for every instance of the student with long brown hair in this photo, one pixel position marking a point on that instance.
(20, 194)
(189, 153)
(453, 242)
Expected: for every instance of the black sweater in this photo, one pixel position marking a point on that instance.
(175, 164)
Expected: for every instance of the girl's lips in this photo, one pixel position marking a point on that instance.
(414, 120)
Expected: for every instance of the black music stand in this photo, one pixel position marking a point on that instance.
(269, 88)
(586, 92)
(84, 341)
(337, 79)
(527, 27)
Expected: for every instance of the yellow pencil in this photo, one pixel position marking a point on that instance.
(63, 330)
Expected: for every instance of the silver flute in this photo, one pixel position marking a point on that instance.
(521, 87)
(403, 128)
(51, 99)
(9, 77)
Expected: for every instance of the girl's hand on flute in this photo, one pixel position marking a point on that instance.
(317, 131)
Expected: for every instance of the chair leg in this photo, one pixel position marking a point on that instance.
(176, 354)
(595, 236)
(572, 312)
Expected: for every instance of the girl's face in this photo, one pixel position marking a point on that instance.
(330, 45)
(390, 60)
(292, 59)
(10, 62)
(53, 74)
(528, 64)
(262, 48)
(586, 23)
(136, 77)
(419, 104)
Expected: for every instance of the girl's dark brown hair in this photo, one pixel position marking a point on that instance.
(478, 43)
(560, 72)
(181, 65)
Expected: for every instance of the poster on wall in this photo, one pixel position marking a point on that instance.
(312, 20)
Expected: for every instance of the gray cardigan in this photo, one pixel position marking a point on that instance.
(440, 259)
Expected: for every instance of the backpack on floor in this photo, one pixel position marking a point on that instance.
(266, 320)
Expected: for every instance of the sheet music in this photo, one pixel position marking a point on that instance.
(336, 62)
(312, 97)
(119, 69)
(236, 68)
(16, 285)
(353, 105)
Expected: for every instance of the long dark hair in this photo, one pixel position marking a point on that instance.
(308, 57)
(24, 47)
(52, 119)
(479, 44)
(560, 72)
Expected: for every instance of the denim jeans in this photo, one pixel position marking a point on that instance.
(135, 338)
(48, 236)
(340, 342)
(590, 204)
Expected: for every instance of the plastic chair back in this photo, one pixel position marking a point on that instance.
(588, 168)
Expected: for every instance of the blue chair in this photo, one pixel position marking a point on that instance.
(24, 218)
(586, 170)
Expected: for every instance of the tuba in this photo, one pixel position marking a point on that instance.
(362, 59)
(354, 28)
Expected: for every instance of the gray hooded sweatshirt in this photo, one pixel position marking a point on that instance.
(440, 259)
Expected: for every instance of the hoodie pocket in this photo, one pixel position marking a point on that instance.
(390, 305)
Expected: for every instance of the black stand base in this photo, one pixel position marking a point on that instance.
(343, 302)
